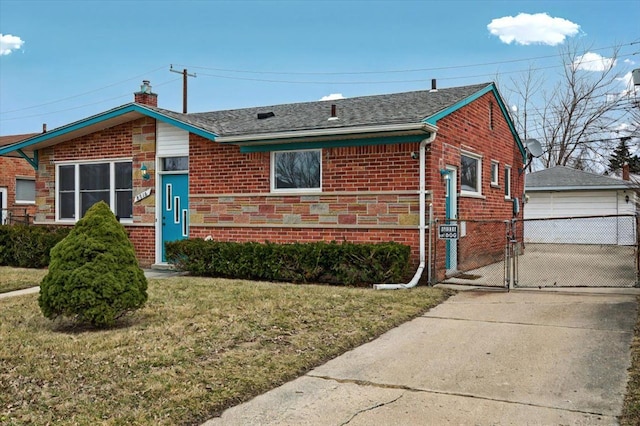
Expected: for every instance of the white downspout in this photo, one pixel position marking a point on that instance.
(423, 209)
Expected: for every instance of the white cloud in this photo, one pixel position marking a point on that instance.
(593, 62)
(332, 97)
(9, 43)
(629, 61)
(538, 28)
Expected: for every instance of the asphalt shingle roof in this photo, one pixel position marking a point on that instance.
(396, 108)
(10, 139)
(561, 177)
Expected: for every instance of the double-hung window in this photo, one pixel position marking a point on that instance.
(80, 186)
(293, 171)
(470, 174)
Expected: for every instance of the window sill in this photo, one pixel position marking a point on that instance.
(301, 191)
(495, 185)
(25, 203)
(472, 195)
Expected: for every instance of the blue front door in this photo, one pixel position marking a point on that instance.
(175, 208)
(451, 212)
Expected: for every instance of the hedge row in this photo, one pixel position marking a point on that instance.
(319, 262)
(28, 246)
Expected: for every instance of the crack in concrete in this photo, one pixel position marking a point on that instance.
(460, 394)
(364, 410)
(529, 324)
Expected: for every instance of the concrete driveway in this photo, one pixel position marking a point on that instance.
(481, 358)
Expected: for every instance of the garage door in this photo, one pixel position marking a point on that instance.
(574, 204)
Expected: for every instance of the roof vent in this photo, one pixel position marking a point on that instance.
(263, 115)
(334, 115)
(434, 88)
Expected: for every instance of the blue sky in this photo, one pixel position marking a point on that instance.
(61, 61)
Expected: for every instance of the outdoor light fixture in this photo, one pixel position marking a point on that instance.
(144, 173)
(446, 174)
(626, 198)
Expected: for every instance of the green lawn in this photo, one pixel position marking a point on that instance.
(199, 346)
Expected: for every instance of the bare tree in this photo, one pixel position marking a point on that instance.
(573, 121)
(298, 169)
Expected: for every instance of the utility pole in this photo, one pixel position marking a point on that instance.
(184, 86)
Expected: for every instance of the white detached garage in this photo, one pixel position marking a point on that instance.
(582, 207)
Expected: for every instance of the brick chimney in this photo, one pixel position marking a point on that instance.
(145, 96)
(625, 171)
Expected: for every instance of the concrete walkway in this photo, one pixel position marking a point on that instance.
(481, 358)
(149, 273)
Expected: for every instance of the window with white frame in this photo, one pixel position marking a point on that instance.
(296, 170)
(470, 174)
(495, 167)
(507, 182)
(25, 191)
(80, 186)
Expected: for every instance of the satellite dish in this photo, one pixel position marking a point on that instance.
(635, 75)
(534, 147)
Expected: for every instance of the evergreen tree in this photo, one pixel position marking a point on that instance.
(93, 275)
(622, 155)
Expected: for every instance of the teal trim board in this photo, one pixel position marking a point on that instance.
(103, 117)
(33, 161)
(334, 144)
(490, 88)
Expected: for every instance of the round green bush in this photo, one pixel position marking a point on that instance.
(93, 275)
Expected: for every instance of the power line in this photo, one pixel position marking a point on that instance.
(357, 82)
(315, 82)
(398, 71)
(83, 94)
(83, 106)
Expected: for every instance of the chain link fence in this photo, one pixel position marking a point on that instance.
(590, 251)
(477, 257)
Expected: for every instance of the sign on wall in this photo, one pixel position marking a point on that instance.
(448, 232)
(141, 196)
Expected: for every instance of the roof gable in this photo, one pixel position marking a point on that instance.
(99, 122)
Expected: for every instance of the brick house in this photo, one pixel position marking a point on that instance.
(17, 184)
(362, 169)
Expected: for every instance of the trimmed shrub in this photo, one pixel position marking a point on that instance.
(29, 246)
(93, 275)
(318, 262)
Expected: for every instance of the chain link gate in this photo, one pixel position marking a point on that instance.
(594, 251)
(588, 251)
(476, 256)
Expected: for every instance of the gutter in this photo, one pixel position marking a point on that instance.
(422, 191)
(243, 140)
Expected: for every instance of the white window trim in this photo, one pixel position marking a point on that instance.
(478, 158)
(24, 202)
(76, 189)
(292, 190)
(495, 165)
(507, 182)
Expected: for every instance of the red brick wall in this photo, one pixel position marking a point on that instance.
(471, 129)
(368, 194)
(135, 140)
(10, 169)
